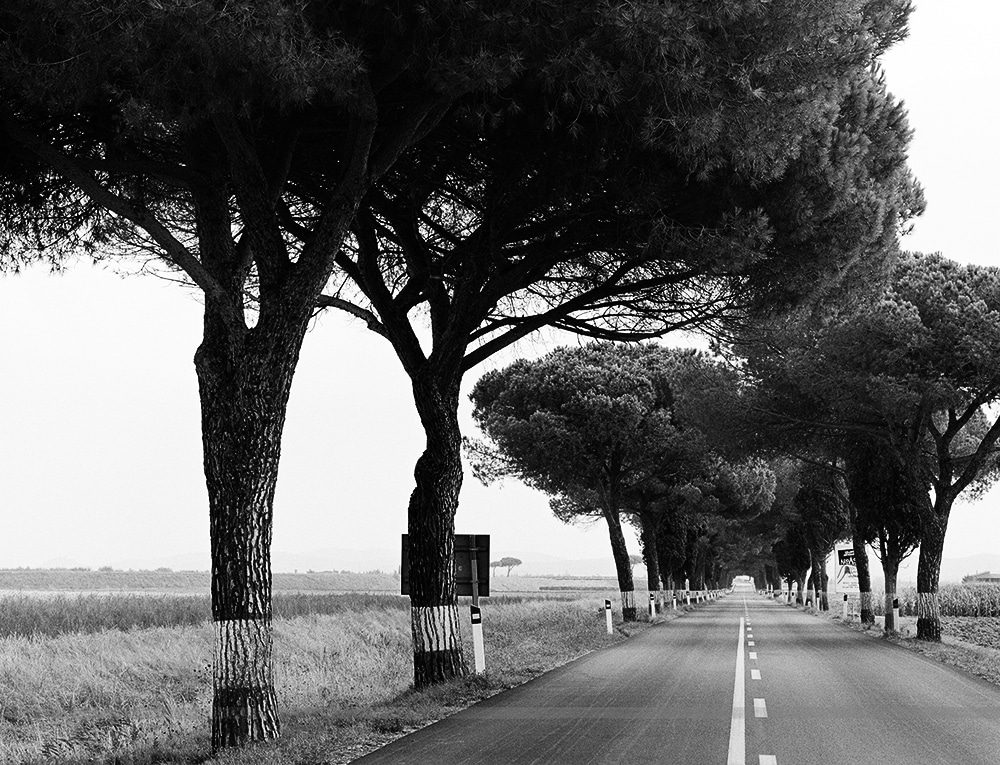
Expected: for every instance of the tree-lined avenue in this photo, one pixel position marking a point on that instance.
(830, 694)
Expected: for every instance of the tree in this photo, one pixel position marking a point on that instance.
(509, 563)
(583, 425)
(621, 169)
(888, 499)
(651, 170)
(601, 430)
(823, 512)
(235, 143)
(915, 368)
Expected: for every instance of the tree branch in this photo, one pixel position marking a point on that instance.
(368, 317)
(141, 217)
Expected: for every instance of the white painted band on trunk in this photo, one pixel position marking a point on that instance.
(737, 730)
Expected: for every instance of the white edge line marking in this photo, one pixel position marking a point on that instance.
(755, 674)
(759, 708)
(737, 731)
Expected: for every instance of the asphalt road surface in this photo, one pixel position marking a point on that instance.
(739, 680)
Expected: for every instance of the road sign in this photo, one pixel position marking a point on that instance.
(847, 571)
(468, 547)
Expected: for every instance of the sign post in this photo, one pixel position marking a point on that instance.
(847, 571)
(472, 577)
(847, 581)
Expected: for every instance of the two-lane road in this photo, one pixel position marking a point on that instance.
(741, 680)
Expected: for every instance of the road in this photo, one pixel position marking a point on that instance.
(740, 680)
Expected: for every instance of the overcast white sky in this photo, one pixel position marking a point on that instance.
(100, 452)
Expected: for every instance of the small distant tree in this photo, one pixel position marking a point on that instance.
(510, 563)
(495, 565)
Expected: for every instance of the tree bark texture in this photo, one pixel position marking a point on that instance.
(800, 592)
(244, 385)
(864, 579)
(437, 646)
(622, 563)
(651, 557)
(824, 583)
(890, 570)
(929, 572)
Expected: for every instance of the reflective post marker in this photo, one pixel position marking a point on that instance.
(674, 598)
(895, 614)
(607, 615)
(478, 649)
(687, 591)
(844, 613)
(652, 606)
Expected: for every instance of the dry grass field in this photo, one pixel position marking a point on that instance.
(125, 678)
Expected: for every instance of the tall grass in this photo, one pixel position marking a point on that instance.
(61, 614)
(955, 600)
(140, 696)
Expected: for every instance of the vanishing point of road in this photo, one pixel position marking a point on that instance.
(738, 680)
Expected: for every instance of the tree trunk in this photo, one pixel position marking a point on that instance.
(437, 646)
(929, 571)
(824, 582)
(244, 386)
(622, 563)
(890, 570)
(650, 556)
(864, 579)
(800, 596)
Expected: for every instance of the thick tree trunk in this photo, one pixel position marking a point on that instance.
(929, 572)
(800, 594)
(864, 580)
(650, 556)
(622, 564)
(890, 570)
(437, 646)
(244, 392)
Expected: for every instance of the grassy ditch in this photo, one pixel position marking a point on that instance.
(142, 695)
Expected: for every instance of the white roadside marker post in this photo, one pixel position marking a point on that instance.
(844, 612)
(607, 616)
(478, 647)
(652, 606)
(687, 591)
(674, 599)
(895, 614)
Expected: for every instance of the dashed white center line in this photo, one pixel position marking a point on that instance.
(750, 643)
(753, 655)
(768, 759)
(759, 708)
(737, 731)
(755, 674)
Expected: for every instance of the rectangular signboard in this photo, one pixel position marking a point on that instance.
(465, 546)
(847, 571)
